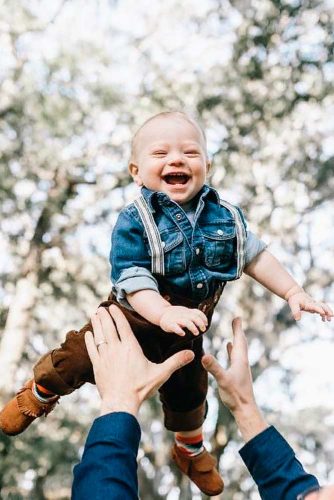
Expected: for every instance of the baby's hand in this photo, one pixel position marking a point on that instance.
(299, 300)
(175, 318)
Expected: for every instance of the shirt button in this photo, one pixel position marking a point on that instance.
(220, 232)
(178, 216)
(163, 244)
(199, 285)
(197, 251)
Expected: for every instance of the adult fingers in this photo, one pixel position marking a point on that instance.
(98, 333)
(108, 326)
(91, 347)
(122, 325)
(175, 362)
(239, 339)
(229, 348)
(210, 363)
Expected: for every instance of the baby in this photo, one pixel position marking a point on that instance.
(173, 250)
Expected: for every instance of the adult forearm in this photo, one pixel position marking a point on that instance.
(270, 273)
(148, 304)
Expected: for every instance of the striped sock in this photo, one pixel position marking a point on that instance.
(42, 394)
(190, 446)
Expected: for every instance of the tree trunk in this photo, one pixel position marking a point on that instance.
(17, 325)
(15, 333)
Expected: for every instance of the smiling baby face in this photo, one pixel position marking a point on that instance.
(169, 155)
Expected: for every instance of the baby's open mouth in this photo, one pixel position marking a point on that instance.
(177, 178)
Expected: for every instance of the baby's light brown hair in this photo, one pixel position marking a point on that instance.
(166, 114)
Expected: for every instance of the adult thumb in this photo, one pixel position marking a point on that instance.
(176, 362)
(210, 363)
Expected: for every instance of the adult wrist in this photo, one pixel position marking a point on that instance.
(119, 406)
(250, 421)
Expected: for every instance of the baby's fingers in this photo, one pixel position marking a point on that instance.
(315, 307)
(199, 318)
(202, 325)
(201, 315)
(328, 312)
(175, 328)
(190, 325)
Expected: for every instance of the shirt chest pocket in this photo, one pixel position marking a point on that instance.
(174, 251)
(219, 244)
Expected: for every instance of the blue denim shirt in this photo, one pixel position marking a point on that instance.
(198, 255)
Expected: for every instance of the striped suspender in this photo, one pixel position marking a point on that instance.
(241, 236)
(154, 240)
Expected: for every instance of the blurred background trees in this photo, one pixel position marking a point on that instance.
(76, 79)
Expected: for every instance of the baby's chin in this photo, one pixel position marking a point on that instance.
(179, 199)
(180, 195)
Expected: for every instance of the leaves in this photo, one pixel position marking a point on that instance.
(76, 80)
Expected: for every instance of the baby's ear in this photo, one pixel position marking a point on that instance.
(208, 166)
(133, 169)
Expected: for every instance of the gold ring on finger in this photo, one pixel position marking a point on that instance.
(100, 343)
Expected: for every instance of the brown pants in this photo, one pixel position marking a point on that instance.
(183, 396)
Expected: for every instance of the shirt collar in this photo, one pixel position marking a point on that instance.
(151, 196)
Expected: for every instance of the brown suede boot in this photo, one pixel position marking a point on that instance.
(201, 469)
(20, 411)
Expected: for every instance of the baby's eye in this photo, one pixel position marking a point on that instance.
(159, 153)
(192, 152)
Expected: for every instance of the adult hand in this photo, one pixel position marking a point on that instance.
(123, 375)
(235, 384)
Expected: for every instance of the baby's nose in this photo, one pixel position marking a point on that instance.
(175, 160)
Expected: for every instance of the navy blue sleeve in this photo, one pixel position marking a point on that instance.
(108, 468)
(274, 467)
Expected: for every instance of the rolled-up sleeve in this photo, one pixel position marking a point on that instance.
(132, 280)
(129, 258)
(254, 246)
